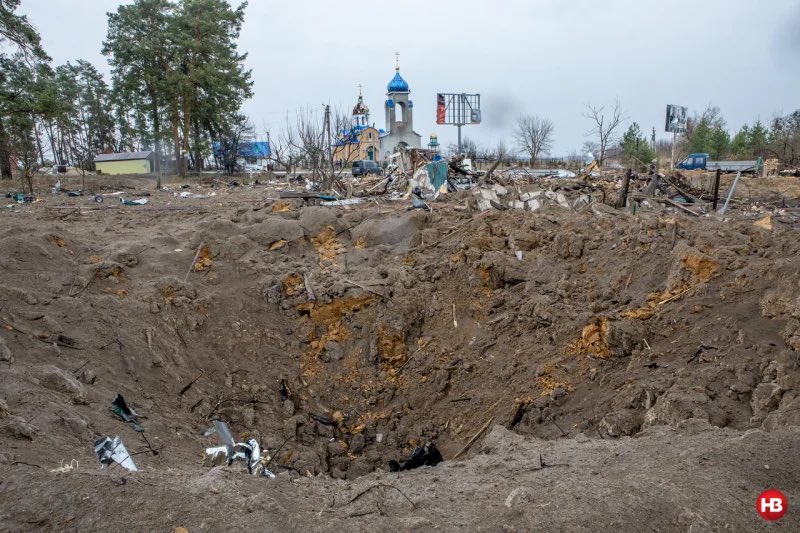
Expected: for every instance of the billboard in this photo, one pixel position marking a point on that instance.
(458, 109)
(676, 119)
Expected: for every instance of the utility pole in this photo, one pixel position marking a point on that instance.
(672, 156)
(327, 138)
(653, 140)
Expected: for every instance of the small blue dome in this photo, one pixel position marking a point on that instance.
(398, 84)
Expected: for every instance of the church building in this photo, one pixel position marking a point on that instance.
(363, 141)
(399, 117)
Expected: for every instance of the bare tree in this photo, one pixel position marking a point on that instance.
(604, 125)
(501, 151)
(314, 137)
(534, 135)
(284, 148)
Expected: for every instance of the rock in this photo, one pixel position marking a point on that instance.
(787, 415)
(334, 350)
(487, 194)
(741, 388)
(357, 443)
(600, 209)
(60, 380)
(534, 205)
(360, 467)
(624, 422)
(499, 190)
(19, 428)
(519, 496)
(288, 408)
(315, 219)
(558, 393)
(516, 204)
(402, 229)
(484, 204)
(274, 229)
(5, 352)
(675, 406)
(765, 398)
(542, 402)
(77, 425)
(4, 411)
(568, 246)
(526, 196)
(235, 246)
(336, 448)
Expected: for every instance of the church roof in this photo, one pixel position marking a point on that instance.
(398, 84)
(360, 108)
(351, 135)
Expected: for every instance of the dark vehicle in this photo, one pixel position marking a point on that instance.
(365, 168)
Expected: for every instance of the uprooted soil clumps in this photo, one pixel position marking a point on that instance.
(342, 339)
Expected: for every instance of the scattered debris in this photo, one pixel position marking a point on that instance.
(140, 201)
(249, 452)
(426, 455)
(65, 468)
(110, 451)
(126, 413)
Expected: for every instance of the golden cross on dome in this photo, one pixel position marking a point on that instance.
(397, 60)
(359, 89)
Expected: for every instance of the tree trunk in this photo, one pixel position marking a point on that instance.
(38, 141)
(5, 154)
(187, 117)
(623, 193)
(157, 134)
(198, 157)
(176, 141)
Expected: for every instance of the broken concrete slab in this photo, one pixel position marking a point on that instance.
(499, 190)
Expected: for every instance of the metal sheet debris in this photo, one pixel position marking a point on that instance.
(249, 452)
(112, 450)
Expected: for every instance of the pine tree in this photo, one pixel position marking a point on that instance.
(178, 63)
(636, 150)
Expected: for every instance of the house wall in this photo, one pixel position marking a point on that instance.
(136, 166)
(354, 152)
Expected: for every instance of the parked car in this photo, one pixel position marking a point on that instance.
(365, 168)
(253, 169)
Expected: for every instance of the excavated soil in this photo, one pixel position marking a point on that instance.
(579, 371)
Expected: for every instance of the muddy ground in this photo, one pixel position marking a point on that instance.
(650, 358)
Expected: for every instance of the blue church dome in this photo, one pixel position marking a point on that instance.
(398, 84)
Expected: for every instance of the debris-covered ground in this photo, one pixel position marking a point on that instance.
(342, 337)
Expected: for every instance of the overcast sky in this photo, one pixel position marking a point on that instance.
(547, 57)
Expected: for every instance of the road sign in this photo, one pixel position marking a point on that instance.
(676, 119)
(458, 109)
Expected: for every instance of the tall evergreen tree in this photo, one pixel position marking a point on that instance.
(180, 61)
(707, 134)
(142, 56)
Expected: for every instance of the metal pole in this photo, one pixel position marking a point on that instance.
(459, 137)
(730, 193)
(672, 156)
(716, 189)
